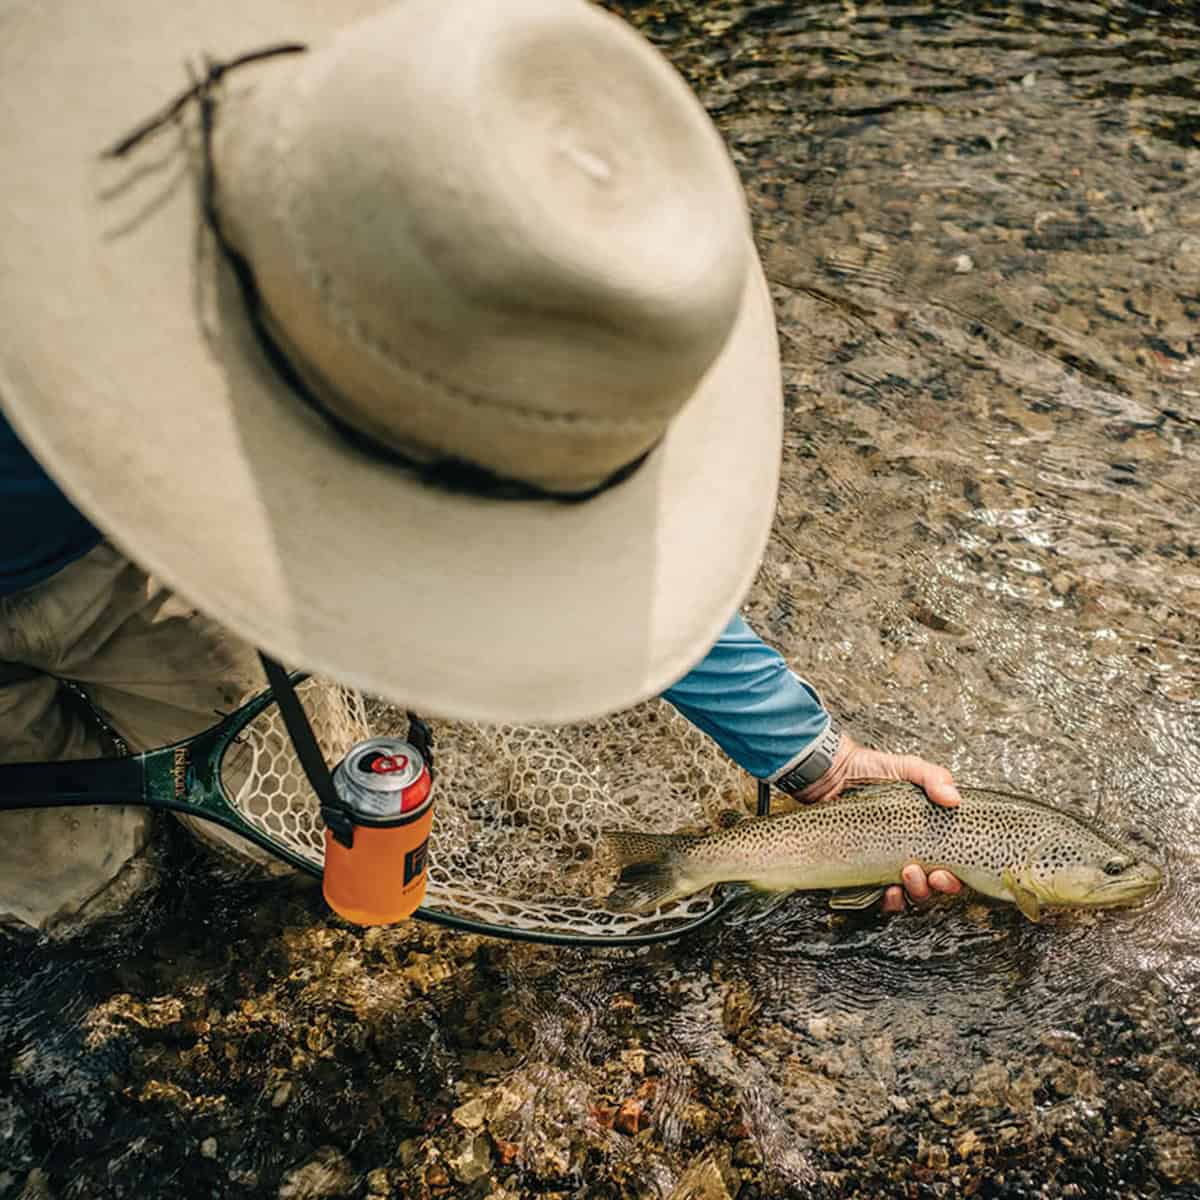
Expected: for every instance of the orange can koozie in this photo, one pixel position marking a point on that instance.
(375, 856)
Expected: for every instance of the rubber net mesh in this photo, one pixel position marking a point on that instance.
(518, 811)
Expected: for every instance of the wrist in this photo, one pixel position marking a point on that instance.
(811, 764)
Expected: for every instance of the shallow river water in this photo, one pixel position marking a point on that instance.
(981, 223)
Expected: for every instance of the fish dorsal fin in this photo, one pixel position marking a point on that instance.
(1025, 900)
(855, 898)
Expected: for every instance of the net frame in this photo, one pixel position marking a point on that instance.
(517, 845)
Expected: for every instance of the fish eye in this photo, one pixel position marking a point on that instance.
(1114, 866)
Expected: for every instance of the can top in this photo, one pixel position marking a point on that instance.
(377, 777)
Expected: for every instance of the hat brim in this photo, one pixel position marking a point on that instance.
(129, 368)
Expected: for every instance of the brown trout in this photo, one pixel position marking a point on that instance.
(1007, 847)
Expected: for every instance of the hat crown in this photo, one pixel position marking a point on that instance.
(505, 233)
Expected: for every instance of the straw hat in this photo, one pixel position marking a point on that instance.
(503, 239)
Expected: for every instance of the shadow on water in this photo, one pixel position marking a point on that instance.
(982, 227)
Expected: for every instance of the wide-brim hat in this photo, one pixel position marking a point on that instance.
(500, 238)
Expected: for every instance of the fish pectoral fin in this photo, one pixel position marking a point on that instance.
(1025, 900)
(855, 898)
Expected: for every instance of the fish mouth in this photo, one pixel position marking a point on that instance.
(1136, 884)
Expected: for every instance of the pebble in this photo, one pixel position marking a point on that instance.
(932, 1154)
(473, 1161)
(701, 1181)
(472, 1114)
(1176, 1158)
(629, 1118)
(37, 1185)
(326, 1174)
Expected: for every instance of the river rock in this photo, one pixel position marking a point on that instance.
(472, 1161)
(701, 1181)
(472, 1114)
(326, 1174)
(37, 1186)
(1176, 1157)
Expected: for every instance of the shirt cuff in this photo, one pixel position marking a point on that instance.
(810, 764)
(744, 696)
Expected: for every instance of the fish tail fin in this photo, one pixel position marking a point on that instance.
(650, 870)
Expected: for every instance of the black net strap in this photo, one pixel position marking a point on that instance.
(336, 815)
(334, 811)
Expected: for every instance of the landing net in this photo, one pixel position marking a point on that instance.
(519, 810)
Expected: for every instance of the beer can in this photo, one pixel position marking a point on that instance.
(379, 878)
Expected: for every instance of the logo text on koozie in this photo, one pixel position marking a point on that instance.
(414, 862)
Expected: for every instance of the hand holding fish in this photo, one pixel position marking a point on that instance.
(856, 764)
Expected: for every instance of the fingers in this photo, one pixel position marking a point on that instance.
(861, 762)
(943, 881)
(915, 883)
(919, 887)
(937, 782)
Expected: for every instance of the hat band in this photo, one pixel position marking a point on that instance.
(447, 472)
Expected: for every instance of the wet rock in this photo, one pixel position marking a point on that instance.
(739, 1009)
(472, 1161)
(326, 1174)
(1187, 256)
(630, 1117)
(994, 1087)
(604, 1115)
(820, 1028)
(634, 1060)
(968, 1144)
(747, 1154)
(1176, 1157)
(37, 1186)
(208, 1148)
(1175, 1085)
(701, 1120)
(933, 1155)
(703, 1180)
(472, 1114)
(944, 1109)
(534, 1118)
(1061, 1076)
